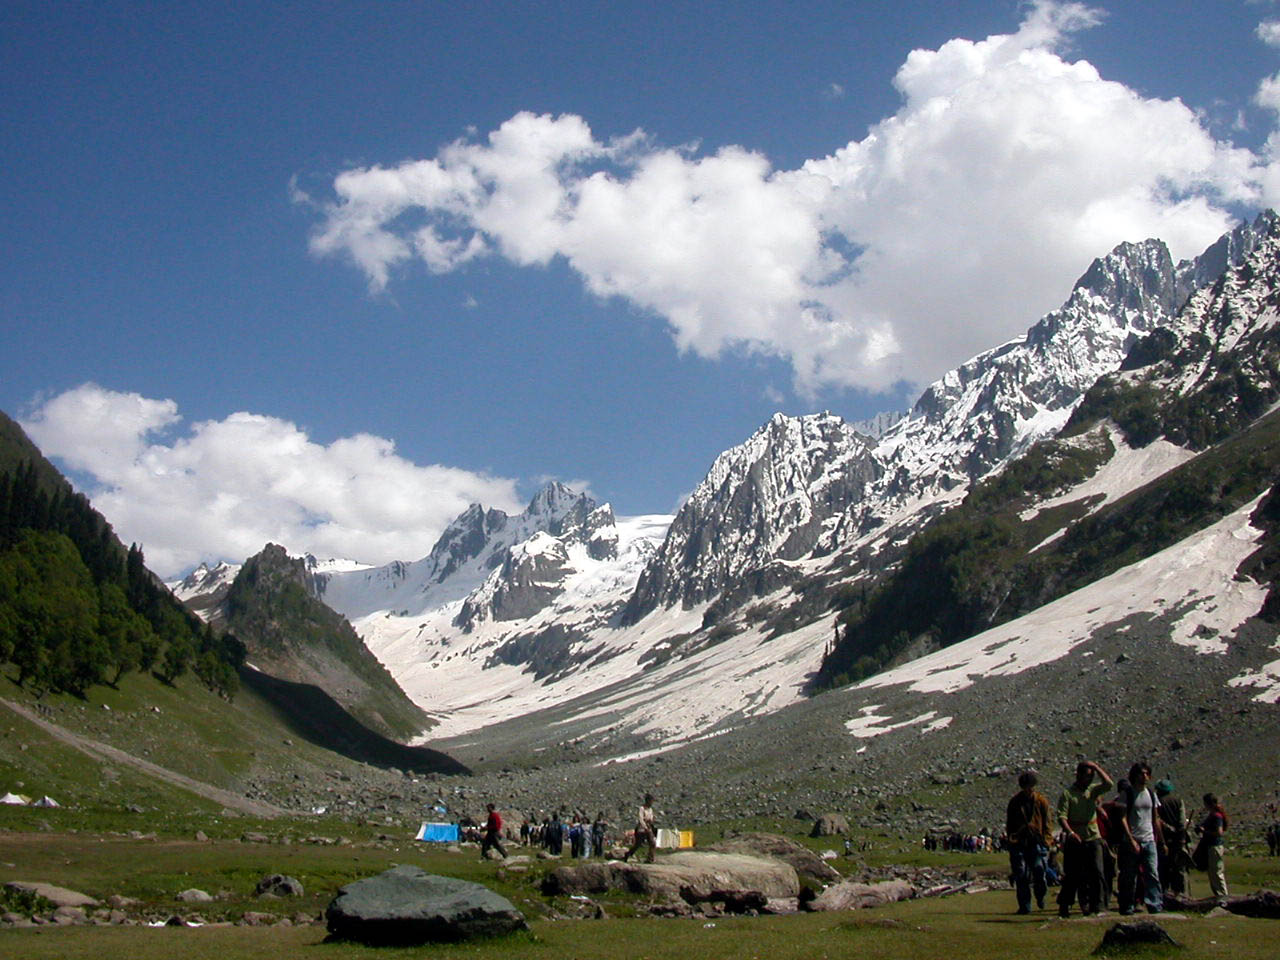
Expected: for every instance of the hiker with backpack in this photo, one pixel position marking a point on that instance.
(1137, 848)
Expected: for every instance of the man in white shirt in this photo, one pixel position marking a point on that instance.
(1139, 859)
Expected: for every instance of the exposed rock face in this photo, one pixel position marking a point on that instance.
(205, 588)
(531, 575)
(808, 486)
(858, 896)
(808, 865)
(769, 499)
(692, 876)
(406, 906)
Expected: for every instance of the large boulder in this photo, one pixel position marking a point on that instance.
(810, 867)
(406, 906)
(58, 896)
(737, 880)
(857, 896)
(829, 825)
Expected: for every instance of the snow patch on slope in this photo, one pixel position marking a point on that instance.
(1128, 469)
(1196, 576)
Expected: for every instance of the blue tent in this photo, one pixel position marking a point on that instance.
(439, 833)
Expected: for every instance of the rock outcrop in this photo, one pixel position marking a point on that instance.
(407, 906)
(740, 882)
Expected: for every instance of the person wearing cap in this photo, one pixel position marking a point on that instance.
(1175, 855)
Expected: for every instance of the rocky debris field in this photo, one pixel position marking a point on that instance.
(1135, 696)
(36, 903)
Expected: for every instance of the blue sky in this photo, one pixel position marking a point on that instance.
(201, 318)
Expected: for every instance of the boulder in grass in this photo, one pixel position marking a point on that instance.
(810, 867)
(1134, 933)
(407, 906)
(194, 895)
(1264, 904)
(859, 896)
(58, 896)
(278, 885)
(739, 881)
(830, 825)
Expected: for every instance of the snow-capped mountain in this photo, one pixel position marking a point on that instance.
(474, 549)
(812, 487)
(656, 629)
(205, 587)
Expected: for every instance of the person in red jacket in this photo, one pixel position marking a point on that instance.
(492, 833)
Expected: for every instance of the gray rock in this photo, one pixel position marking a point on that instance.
(738, 880)
(193, 895)
(808, 865)
(253, 918)
(58, 896)
(829, 825)
(858, 896)
(278, 885)
(406, 905)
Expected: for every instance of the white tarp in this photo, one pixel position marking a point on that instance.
(13, 800)
(46, 801)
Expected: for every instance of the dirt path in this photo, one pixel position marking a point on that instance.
(104, 751)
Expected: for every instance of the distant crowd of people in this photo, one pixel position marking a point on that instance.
(582, 836)
(956, 842)
(1135, 846)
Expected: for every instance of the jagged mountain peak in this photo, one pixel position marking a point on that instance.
(554, 500)
(769, 498)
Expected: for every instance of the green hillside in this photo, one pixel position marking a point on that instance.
(292, 635)
(77, 608)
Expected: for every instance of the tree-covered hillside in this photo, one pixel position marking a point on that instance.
(76, 607)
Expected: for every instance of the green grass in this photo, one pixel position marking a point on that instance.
(979, 926)
(153, 872)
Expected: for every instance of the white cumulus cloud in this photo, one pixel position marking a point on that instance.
(951, 226)
(221, 489)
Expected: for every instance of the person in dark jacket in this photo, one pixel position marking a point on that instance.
(1027, 832)
(1175, 852)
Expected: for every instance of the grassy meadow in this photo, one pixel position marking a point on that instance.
(152, 872)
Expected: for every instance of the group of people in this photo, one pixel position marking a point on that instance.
(956, 842)
(1139, 841)
(583, 836)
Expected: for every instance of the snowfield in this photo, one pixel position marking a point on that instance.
(1192, 581)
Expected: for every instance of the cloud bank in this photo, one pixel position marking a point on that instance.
(221, 489)
(952, 225)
